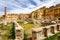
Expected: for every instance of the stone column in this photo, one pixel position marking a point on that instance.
(5, 13)
(37, 34)
(19, 32)
(5, 16)
(32, 15)
(39, 14)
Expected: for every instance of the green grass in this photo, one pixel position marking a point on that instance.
(54, 37)
(27, 28)
(7, 31)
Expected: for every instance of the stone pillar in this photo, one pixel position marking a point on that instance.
(32, 15)
(5, 13)
(5, 17)
(19, 32)
(39, 14)
(37, 34)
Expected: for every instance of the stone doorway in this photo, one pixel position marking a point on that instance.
(52, 30)
(45, 32)
(57, 27)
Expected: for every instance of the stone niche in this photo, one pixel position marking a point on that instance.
(37, 34)
(45, 32)
(58, 26)
(19, 32)
(34, 36)
(52, 30)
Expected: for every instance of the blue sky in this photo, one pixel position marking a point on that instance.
(25, 6)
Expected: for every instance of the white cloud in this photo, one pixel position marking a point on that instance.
(18, 7)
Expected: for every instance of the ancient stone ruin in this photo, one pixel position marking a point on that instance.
(43, 32)
(19, 32)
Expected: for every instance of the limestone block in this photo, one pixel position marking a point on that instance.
(48, 31)
(19, 32)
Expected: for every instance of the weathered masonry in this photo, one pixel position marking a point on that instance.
(19, 32)
(43, 32)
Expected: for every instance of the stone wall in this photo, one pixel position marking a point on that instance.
(43, 32)
(19, 32)
(37, 14)
(53, 12)
(46, 13)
